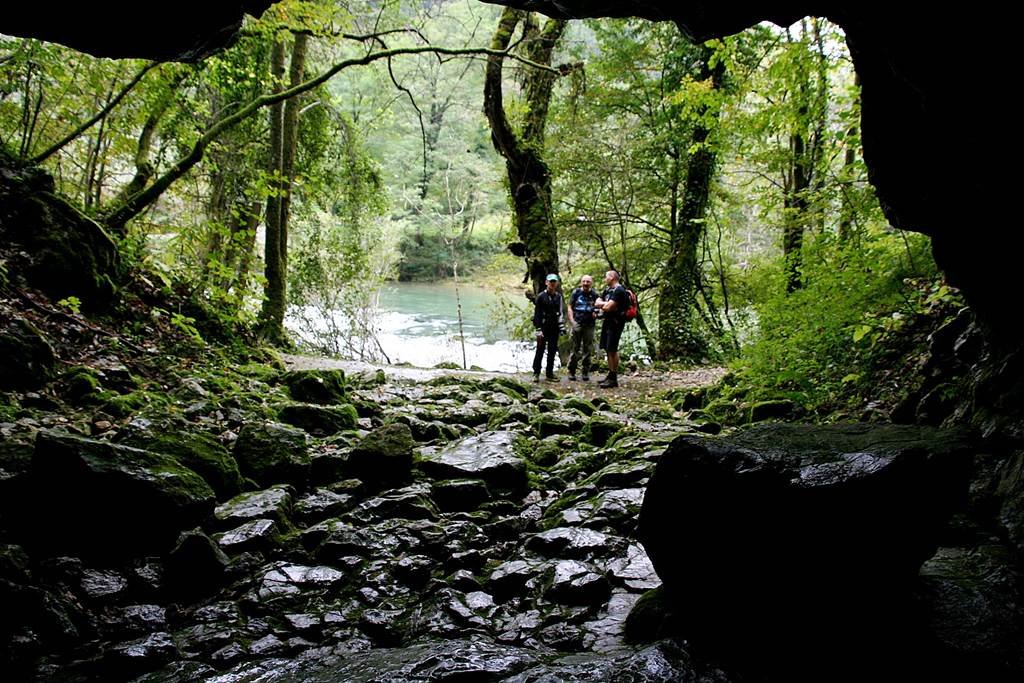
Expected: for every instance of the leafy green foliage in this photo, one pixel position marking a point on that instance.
(825, 345)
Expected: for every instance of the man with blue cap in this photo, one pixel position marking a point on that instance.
(547, 321)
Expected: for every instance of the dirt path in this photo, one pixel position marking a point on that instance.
(632, 386)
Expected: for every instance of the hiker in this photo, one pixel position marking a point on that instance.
(612, 303)
(547, 320)
(582, 317)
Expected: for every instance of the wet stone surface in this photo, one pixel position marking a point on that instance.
(471, 530)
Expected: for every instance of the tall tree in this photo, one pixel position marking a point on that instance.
(283, 139)
(679, 335)
(529, 179)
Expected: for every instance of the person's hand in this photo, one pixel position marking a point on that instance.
(540, 335)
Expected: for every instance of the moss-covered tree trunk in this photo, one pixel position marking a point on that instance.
(271, 321)
(678, 332)
(284, 124)
(529, 180)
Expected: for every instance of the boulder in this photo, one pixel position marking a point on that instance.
(199, 452)
(323, 387)
(195, 568)
(384, 456)
(319, 420)
(827, 525)
(94, 498)
(490, 457)
(26, 358)
(273, 453)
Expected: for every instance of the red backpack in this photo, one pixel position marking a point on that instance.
(632, 305)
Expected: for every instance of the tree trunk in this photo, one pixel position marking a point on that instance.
(529, 180)
(849, 159)
(678, 331)
(271, 321)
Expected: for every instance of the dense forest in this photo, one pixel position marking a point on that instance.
(334, 148)
(816, 438)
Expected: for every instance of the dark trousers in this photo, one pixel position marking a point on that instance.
(550, 341)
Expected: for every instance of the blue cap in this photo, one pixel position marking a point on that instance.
(552, 278)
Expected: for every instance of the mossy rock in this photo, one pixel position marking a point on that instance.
(81, 384)
(132, 403)
(260, 371)
(27, 360)
(319, 420)
(579, 404)
(601, 427)
(447, 365)
(562, 422)
(322, 387)
(200, 452)
(508, 386)
(69, 253)
(771, 410)
(384, 455)
(273, 453)
(109, 500)
(520, 413)
(651, 618)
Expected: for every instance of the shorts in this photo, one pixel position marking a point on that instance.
(611, 332)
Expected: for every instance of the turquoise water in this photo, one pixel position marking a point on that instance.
(418, 323)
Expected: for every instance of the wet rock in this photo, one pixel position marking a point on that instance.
(307, 624)
(319, 420)
(570, 582)
(272, 453)
(139, 656)
(320, 505)
(268, 645)
(284, 580)
(558, 422)
(489, 457)
(472, 413)
(195, 568)
(600, 428)
(652, 617)
(382, 625)
(623, 474)
(26, 358)
(384, 456)
(833, 517)
(257, 535)
(564, 637)
(455, 495)
(634, 571)
(605, 633)
(973, 604)
(510, 578)
(195, 450)
(519, 413)
(425, 430)
(411, 502)
(273, 503)
(98, 499)
(575, 543)
(229, 655)
(328, 466)
(414, 570)
(323, 387)
(103, 585)
(135, 620)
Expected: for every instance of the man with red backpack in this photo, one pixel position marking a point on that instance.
(613, 304)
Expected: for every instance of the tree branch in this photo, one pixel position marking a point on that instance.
(42, 156)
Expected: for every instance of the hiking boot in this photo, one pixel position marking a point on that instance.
(551, 378)
(610, 381)
(536, 378)
(586, 377)
(572, 377)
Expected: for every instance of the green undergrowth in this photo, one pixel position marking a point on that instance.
(849, 338)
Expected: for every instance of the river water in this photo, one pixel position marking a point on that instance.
(417, 323)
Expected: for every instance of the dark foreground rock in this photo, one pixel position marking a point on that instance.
(783, 546)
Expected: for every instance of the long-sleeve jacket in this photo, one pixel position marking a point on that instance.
(547, 311)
